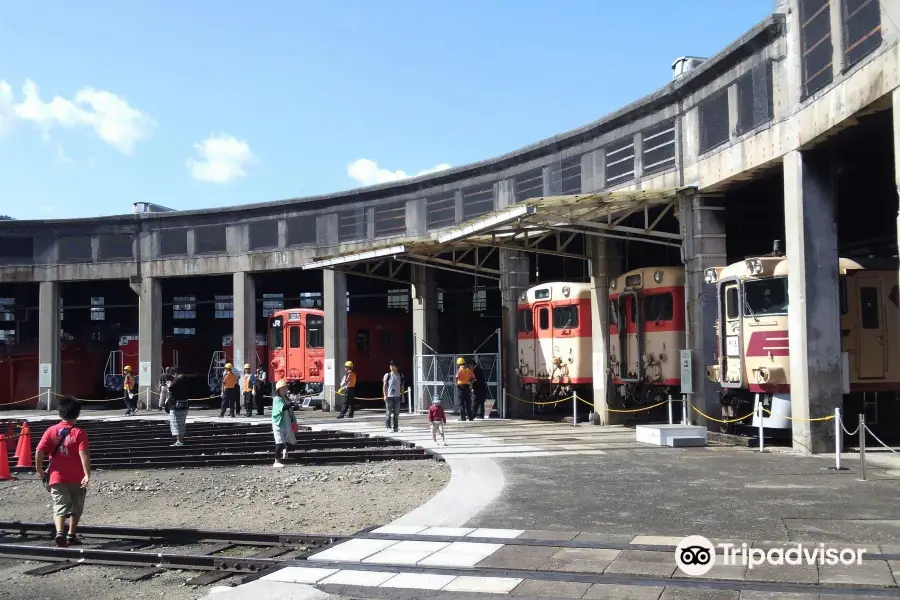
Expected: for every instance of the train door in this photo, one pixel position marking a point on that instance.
(527, 341)
(544, 342)
(731, 335)
(630, 334)
(871, 348)
(315, 347)
(295, 358)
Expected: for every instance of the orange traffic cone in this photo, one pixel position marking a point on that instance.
(25, 447)
(4, 461)
(10, 436)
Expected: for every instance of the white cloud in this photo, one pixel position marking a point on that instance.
(111, 117)
(223, 158)
(367, 172)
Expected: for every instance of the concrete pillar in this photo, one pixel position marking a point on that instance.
(702, 224)
(149, 340)
(244, 328)
(425, 321)
(48, 344)
(601, 272)
(814, 329)
(334, 299)
(514, 280)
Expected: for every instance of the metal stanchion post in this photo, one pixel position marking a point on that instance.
(862, 446)
(671, 422)
(760, 409)
(837, 438)
(574, 409)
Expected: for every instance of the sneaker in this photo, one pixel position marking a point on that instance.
(278, 465)
(178, 444)
(396, 431)
(61, 540)
(387, 429)
(73, 540)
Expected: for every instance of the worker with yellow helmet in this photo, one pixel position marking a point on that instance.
(128, 393)
(348, 388)
(248, 383)
(230, 392)
(464, 379)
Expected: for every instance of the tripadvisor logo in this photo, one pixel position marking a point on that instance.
(696, 556)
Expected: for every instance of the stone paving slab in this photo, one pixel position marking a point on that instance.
(551, 589)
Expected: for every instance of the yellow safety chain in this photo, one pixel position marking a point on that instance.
(615, 410)
(340, 393)
(21, 401)
(726, 421)
(539, 403)
(828, 418)
(88, 399)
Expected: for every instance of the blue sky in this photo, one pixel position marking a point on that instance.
(201, 104)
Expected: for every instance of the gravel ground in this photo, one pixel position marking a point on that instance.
(329, 500)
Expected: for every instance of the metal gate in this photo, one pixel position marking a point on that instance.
(435, 376)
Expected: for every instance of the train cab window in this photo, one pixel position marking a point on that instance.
(565, 317)
(658, 307)
(362, 341)
(526, 320)
(276, 332)
(766, 297)
(868, 307)
(295, 336)
(842, 292)
(544, 318)
(731, 303)
(315, 331)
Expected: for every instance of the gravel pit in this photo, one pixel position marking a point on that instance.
(299, 499)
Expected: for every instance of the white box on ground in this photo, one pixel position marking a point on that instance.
(671, 435)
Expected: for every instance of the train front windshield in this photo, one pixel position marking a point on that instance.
(766, 297)
(276, 334)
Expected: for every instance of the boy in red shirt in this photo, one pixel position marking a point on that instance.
(438, 419)
(69, 470)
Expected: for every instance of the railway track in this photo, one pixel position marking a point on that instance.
(219, 555)
(146, 444)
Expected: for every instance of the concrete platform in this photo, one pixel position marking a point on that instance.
(676, 436)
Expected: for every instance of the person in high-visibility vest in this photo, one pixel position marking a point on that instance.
(128, 393)
(248, 382)
(348, 388)
(464, 379)
(230, 392)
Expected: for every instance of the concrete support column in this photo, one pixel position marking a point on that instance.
(48, 344)
(514, 280)
(244, 329)
(149, 340)
(335, 304)
(814, 328)
(601, 273)
(425, 322)
(702, 223)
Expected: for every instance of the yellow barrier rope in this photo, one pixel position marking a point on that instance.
(508, 395)
(828, 418)
(715, 420)
(21, 401)
(635, 410)
(340, 393)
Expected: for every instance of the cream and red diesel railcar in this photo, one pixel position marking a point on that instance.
(646, 331)
(753, 355)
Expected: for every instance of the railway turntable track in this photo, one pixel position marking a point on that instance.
(219, 555)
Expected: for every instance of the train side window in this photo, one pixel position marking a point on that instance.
(526, 320)
(658, 307)
(842, 289)
(295, 336)
(614, 312)
(544, 318)
(731, 302)
(315, 331)
(362, 341)
(565, 317)
(868, 307)
(276, 333)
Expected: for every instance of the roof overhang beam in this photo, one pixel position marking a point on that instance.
(356, 257)
(486, 224)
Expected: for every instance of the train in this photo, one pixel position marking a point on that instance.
(752, 349)
(646, 331)
(296, 350)
(226, 355)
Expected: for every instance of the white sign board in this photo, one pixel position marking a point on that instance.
(144, 376)
(687, 380)
(45, 375)
(329, 371)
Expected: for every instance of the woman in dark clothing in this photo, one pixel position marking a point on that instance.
(177, 406)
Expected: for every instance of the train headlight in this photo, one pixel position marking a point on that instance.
(612, 284)
(657, 276)
(754, 265)
(566, 290)
(710, 276)
(522, 296)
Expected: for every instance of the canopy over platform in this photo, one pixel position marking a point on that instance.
(527, 226)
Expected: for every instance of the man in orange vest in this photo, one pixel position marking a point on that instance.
(464, 379)
(230, 392)
(128, 393)
(248, 383)
(348, 387)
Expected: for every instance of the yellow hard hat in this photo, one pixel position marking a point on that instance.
(349, 364)
(228, 366)
(460, 361)
(247, 366)
(281, 383)
(127, 368)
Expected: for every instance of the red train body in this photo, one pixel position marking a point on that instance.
(19, 373)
